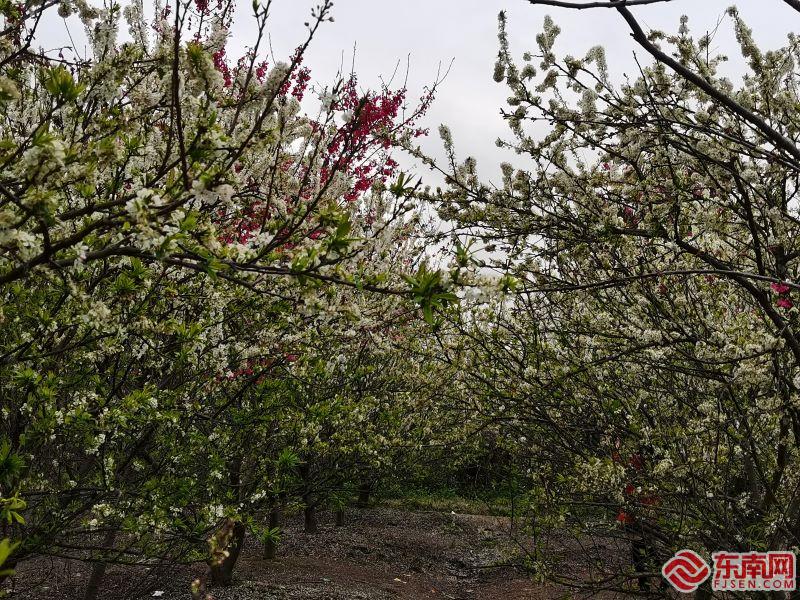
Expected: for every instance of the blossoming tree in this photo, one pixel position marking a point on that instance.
(648, 371)
(173, 229)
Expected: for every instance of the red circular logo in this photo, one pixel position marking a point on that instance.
(685, 571)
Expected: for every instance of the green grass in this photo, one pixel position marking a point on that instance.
(447, 500)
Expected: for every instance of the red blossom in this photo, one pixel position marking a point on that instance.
(261, 71)
(785, 303)
(780, 288)
(301, 82)
(360, 146)
(298, 77)
(221, 64)
(358, 149)
(251, 367)
(624, 518)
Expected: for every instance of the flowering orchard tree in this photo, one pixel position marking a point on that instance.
(173, 228)
(648, 372)
(158, 149)
(291, 431)
(351, 417)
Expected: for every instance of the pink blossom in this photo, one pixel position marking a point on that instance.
(261, 70)
(221, 64)
(779, 288)
(301, 82)
(785, 303)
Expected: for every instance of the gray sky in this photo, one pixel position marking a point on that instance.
(431, 33)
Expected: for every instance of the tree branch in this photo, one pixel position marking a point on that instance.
(638, 34)
(608, 4)
(176, 98)
(795, 4)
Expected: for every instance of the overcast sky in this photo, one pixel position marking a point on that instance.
(434, 32)
(377, 34)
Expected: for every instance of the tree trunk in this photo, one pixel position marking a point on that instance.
(310, 514)
(271, 545)
(231, 538)
(364, 491)
(340, 517)
(99, 569)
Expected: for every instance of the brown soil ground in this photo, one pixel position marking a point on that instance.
(379, 554)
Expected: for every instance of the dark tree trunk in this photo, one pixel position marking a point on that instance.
(99, 569)
(364, 491)
(310, 514)
(221, 569)
(230, 538)
(340, 517)
(271, 546)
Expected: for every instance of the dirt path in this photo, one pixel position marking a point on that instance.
(379, 554)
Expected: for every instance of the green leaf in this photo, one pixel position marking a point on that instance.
(59, 82)
(427, 311)
(189, 222)
(6, 548)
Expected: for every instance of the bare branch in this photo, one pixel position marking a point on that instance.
(608, 4)
(795, 4)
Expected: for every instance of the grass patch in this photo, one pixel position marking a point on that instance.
(447, 500)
